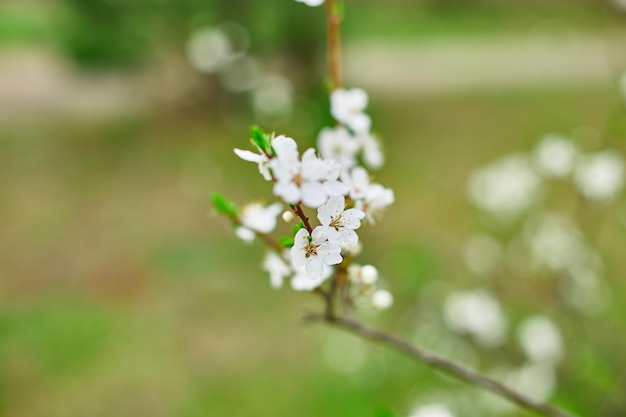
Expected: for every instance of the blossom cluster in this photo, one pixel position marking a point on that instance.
(333, 183)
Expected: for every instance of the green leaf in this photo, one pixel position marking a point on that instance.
(223, 206)
(260, 139)
(297, 227)
(286, 241)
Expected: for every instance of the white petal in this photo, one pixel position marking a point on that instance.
(336, 205)
(288, 191)
(250, 156)
(245, 234)
(336, 188)
(323, 215)
(313, 194)
(351, 218)
(285, 147)
(360, 122)
(349, 237)
(314, 268)
(329, 253)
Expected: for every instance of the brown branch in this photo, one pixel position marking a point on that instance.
(333, 23)
(298, 210)
(442, 364)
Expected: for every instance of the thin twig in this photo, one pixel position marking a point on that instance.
(305, 220)
(333, 23)
(445, 365)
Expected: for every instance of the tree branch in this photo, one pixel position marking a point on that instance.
(333, 23)
(447, 366)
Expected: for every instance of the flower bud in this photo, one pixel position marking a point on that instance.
(288, 216)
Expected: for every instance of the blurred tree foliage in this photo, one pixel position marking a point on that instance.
(115, 33)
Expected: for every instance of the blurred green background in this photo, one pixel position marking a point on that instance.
(121, 296)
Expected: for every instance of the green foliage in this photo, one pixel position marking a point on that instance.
(261, 139)
(224, 206)
(286, 241)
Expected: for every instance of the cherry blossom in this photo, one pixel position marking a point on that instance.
(310, 181)
(278, 269)
(313, 251)
(257, 218)
(338, 223)
(338, 144)
(347, 107)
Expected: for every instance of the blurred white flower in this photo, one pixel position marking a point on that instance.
(600, 176)
(482, 253)
(278, 269)
(505, 188)
(372, 153)
(370, 198)
(272, 96)
(311, 3)
(537, 380)
(245, 234)
(432, 410)
(477, 313)
(260, 218)
(338, 223)
(364, 274)
(382, 299)
(555, 242)
(555, 156)
(347, 107)
(540, 339)
(208, 50)
(338, 144)
(314, 251)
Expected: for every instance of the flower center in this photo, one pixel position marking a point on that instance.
(297, 179)
(310, 250)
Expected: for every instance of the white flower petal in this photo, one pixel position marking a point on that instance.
(313, 194)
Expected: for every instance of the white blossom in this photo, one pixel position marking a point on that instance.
(312, 3)
(364, 274)
(311, 180)
(278, 269)
(370, 198)
(382, 299)
(372, 153)
(540, 339)
(347, 107)
(313, 251)
(478, 313)
(245, 234)
(338, 144)
(506, 188)
(208, 50)
(338, 223)
(600, 176)
(555, 156)
(260, 218)
(555, 242)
